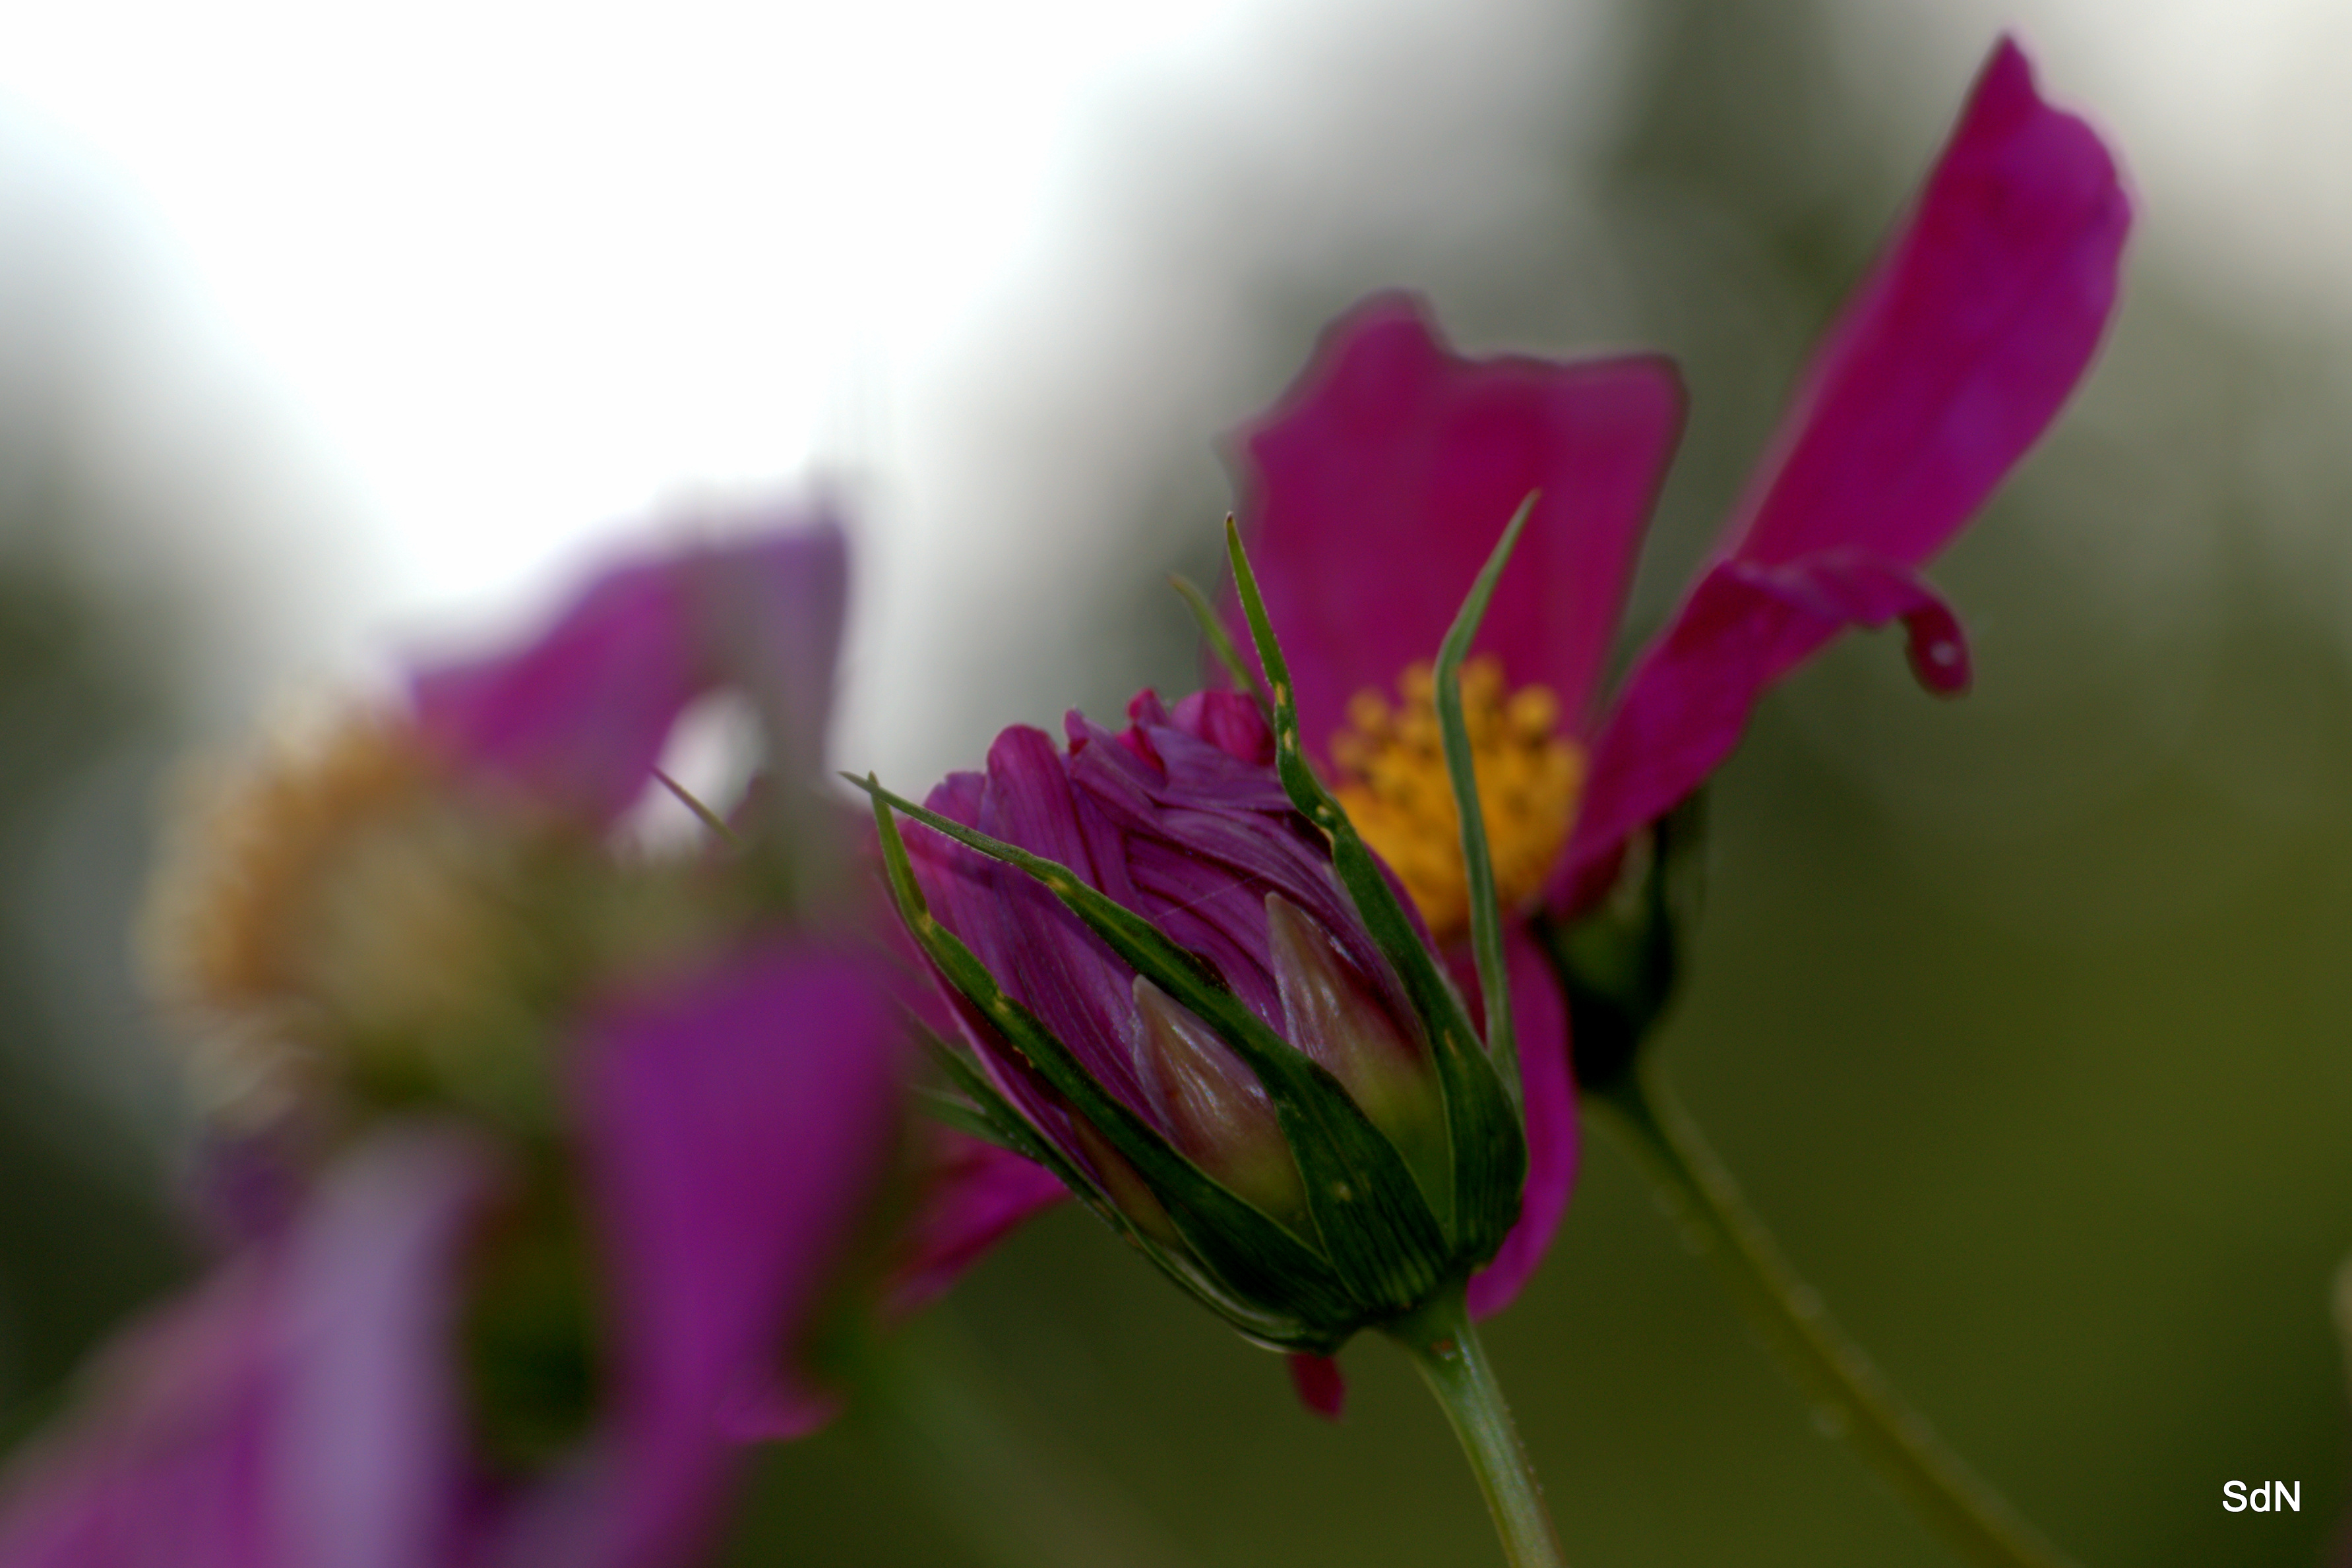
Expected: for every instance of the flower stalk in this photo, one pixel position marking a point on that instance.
(1854, 1397)
(1446, 1351)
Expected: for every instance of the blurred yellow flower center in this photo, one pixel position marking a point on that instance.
(336, 900)
(1394, 786)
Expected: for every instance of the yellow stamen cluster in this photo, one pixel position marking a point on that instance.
(1393, 785)
(336, 897)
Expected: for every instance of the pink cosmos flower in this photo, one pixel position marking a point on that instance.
(1375, 488)
(730, 1104)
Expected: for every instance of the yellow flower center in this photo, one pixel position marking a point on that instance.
(1392, 783)
(336, 906)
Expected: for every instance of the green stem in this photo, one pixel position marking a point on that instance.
(1445, 1350)
(1855, 1399)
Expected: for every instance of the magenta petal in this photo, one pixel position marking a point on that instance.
(1946, 366)
(973, 1194)
(1320, 1384)
(296, 1411)
(1541, 1025)
(1742, 628)
(1228, 721)
(577, 717)
(1961, 347)
(735, 1127)
(1374, 490)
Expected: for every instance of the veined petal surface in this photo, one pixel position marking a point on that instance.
(1375, 489)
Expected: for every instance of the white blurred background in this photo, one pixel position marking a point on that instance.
(375, 315)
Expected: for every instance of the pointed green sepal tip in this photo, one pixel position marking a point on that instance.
(1220, 642)
(1486, 911)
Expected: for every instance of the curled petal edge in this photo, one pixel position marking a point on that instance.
(1744, 627)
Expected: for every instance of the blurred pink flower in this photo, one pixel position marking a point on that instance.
(731, 1116)
(1376, 488)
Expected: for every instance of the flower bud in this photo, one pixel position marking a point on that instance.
(1170, 992)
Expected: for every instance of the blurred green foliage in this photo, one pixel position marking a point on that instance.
(85, 708)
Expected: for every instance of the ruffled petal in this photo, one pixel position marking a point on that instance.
(1228, 721)
(1541, 1025)
(1372, 492)
(1949, 362)
(1063, 972)
(577, 717)
(735, 1127)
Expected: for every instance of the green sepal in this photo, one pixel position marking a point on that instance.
(1213, 633)
(955, 1110)
(1484, 1130)
(1376, 1227)
(986, 1113)
(1276, 1330)
(1621, 965)
(1461, 771)
(1247, 1266)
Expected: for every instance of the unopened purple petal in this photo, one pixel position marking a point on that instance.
(1228, 721)
(1541, 1025)
(1060, 970)
(1374, 490)
(960, 886)
(577, 717)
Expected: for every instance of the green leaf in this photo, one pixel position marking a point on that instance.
(1260, 1277)
(1482, 1119)
(1376, 1227)
(987, 1114)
